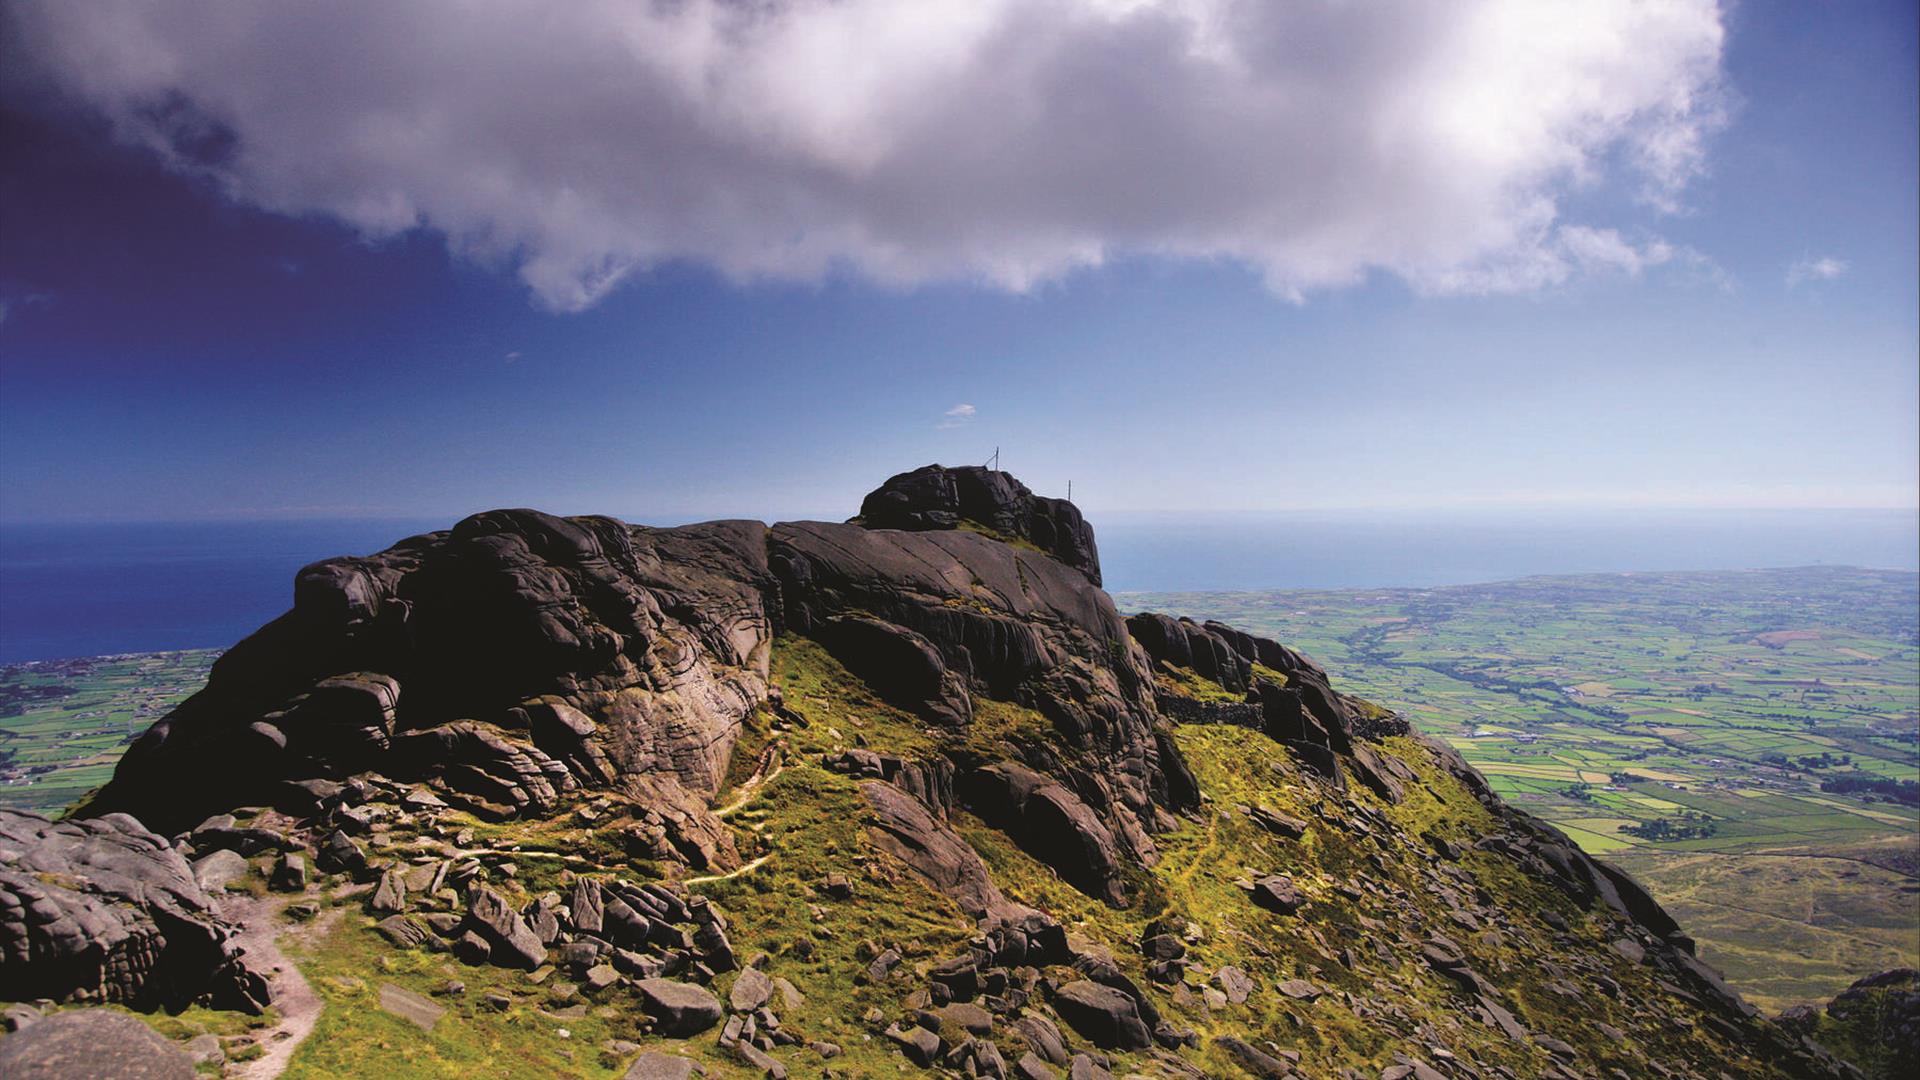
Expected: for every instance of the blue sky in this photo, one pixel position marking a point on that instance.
(203, 319)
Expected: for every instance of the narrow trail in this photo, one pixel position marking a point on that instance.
(505, 853)
(730, 875)
(772, 761)
(1204, 856)
(299, 1007)
(747, 792)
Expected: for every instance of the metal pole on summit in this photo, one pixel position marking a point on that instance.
(993, 463)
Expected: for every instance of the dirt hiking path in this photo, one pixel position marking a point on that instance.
(262, 922)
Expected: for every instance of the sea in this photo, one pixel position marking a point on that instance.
(88, 590)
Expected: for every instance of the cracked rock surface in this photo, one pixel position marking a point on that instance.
(102, 910)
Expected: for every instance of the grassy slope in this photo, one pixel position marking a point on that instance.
(809, 822)
(1704, 696)
(1786, 924)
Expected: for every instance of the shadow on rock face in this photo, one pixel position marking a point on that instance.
(104, 911)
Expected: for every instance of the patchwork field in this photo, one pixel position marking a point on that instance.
(1743, 742)
(64, 723)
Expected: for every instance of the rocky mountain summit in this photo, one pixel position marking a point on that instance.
(839, 799)
(985, 501)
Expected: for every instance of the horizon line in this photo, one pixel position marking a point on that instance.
(689, 518)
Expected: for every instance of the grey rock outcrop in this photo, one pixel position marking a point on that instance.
(1218, 651)
(519, 659)
(1291, 701)
(1019, 627)
(103, 910)
(907, 829)
(938, 497)
(509, 660)
(92, 1043)
(1050, 821)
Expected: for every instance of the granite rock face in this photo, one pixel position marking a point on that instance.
(937, 497)
(907, 829)
(518, 659)
(510, 660)
(102, 910)
(1047, 819)
(977, 616)
(1218, 651)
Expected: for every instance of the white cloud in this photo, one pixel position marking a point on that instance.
(1567, 252)
(958, 416)
(1006, 142)
(13, 303)
(1825, 268)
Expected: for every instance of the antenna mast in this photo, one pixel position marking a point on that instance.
(993, 463)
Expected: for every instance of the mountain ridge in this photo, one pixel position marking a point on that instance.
(1007, 725)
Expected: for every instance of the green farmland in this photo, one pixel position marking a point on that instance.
(1734, 739)
(64, 723)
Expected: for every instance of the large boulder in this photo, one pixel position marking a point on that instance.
(678, 1009)
(91, 1043)
(513, 942)
(1255, 1060)
(938, 497)
(102, 910)
(1104, 1016)
(654, 1065)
